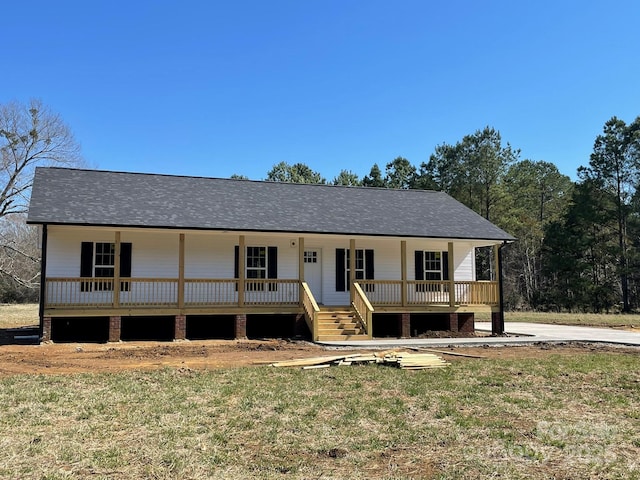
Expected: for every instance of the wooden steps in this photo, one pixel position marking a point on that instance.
(337, 325)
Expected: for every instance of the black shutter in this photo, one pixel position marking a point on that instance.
(445, 265)
(369, 273)
(86, 265)
(368, 265)
(125, 265)
(272, 262)
(340, 270)
(272, 267)
(236, 264)
(420, 270)
(419, 265)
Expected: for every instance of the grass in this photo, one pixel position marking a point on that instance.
(18, 315)
(13, 316)
(558, 417)
(584, 319)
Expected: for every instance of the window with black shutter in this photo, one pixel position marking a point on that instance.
(260, 263)
(97, 260)
(431, 265)
(364, 268)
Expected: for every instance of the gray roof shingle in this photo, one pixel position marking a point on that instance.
(93, 197)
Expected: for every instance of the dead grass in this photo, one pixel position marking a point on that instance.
(560, 416)
(18, 315)
(584, 319)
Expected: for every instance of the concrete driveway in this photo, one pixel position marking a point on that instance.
(543, 332)
(523, 334)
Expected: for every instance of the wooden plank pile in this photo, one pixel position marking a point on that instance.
(400, 359)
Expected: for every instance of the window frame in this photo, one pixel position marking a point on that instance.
(429, 259)
(104, 270)
(255, 261)
(364, 268)
(270, 267)
(93, 265)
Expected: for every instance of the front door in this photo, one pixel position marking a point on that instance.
(313, 272)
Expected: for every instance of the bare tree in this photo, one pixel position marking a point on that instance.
(30, 136)
(19, 252)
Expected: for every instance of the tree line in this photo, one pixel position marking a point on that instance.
(578, 246)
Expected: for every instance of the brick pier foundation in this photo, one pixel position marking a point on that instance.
(180, 330)
(115, 327)
(241, 326)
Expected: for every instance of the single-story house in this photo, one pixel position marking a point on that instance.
(129, 255)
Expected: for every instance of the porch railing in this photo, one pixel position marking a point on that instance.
(311, 309)
(165, 292)
(428, 292)
(363, 309)
(269, 292)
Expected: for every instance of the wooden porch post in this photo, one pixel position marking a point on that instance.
(181, 272)
(451, 268)
(241, 272)
(352, 267)
(403, 272)
(300, 268)
(116, 272)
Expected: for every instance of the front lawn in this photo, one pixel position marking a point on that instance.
(559, 416)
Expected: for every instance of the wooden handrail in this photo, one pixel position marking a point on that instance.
(311, 310)
(363, 308)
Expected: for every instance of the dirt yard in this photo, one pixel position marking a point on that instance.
(69, 358)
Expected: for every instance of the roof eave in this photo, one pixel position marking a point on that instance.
(507, 239)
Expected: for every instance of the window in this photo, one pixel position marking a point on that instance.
(104, 265)
(260, 263)
(97, 260)
(256, 266)
(310, 256)
(434, 266)
(364, 269)
(359, 267)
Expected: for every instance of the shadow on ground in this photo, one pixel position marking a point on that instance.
(20, 335)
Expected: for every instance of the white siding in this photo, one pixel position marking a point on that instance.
(155, 254)
(63, 248)
(463, 257)
(287, 254)
(209, 256)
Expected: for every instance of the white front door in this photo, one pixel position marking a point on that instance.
(313, 272)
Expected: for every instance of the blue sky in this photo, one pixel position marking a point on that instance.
(214, 88)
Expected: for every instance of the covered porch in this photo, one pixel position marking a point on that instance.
(130, 296)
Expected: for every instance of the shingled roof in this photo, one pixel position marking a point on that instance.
(63, 196)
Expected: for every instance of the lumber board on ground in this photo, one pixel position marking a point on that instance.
(401, 359)
(445, 352)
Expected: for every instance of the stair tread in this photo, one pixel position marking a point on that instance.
(322, 338)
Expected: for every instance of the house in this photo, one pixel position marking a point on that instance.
(132, 255)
